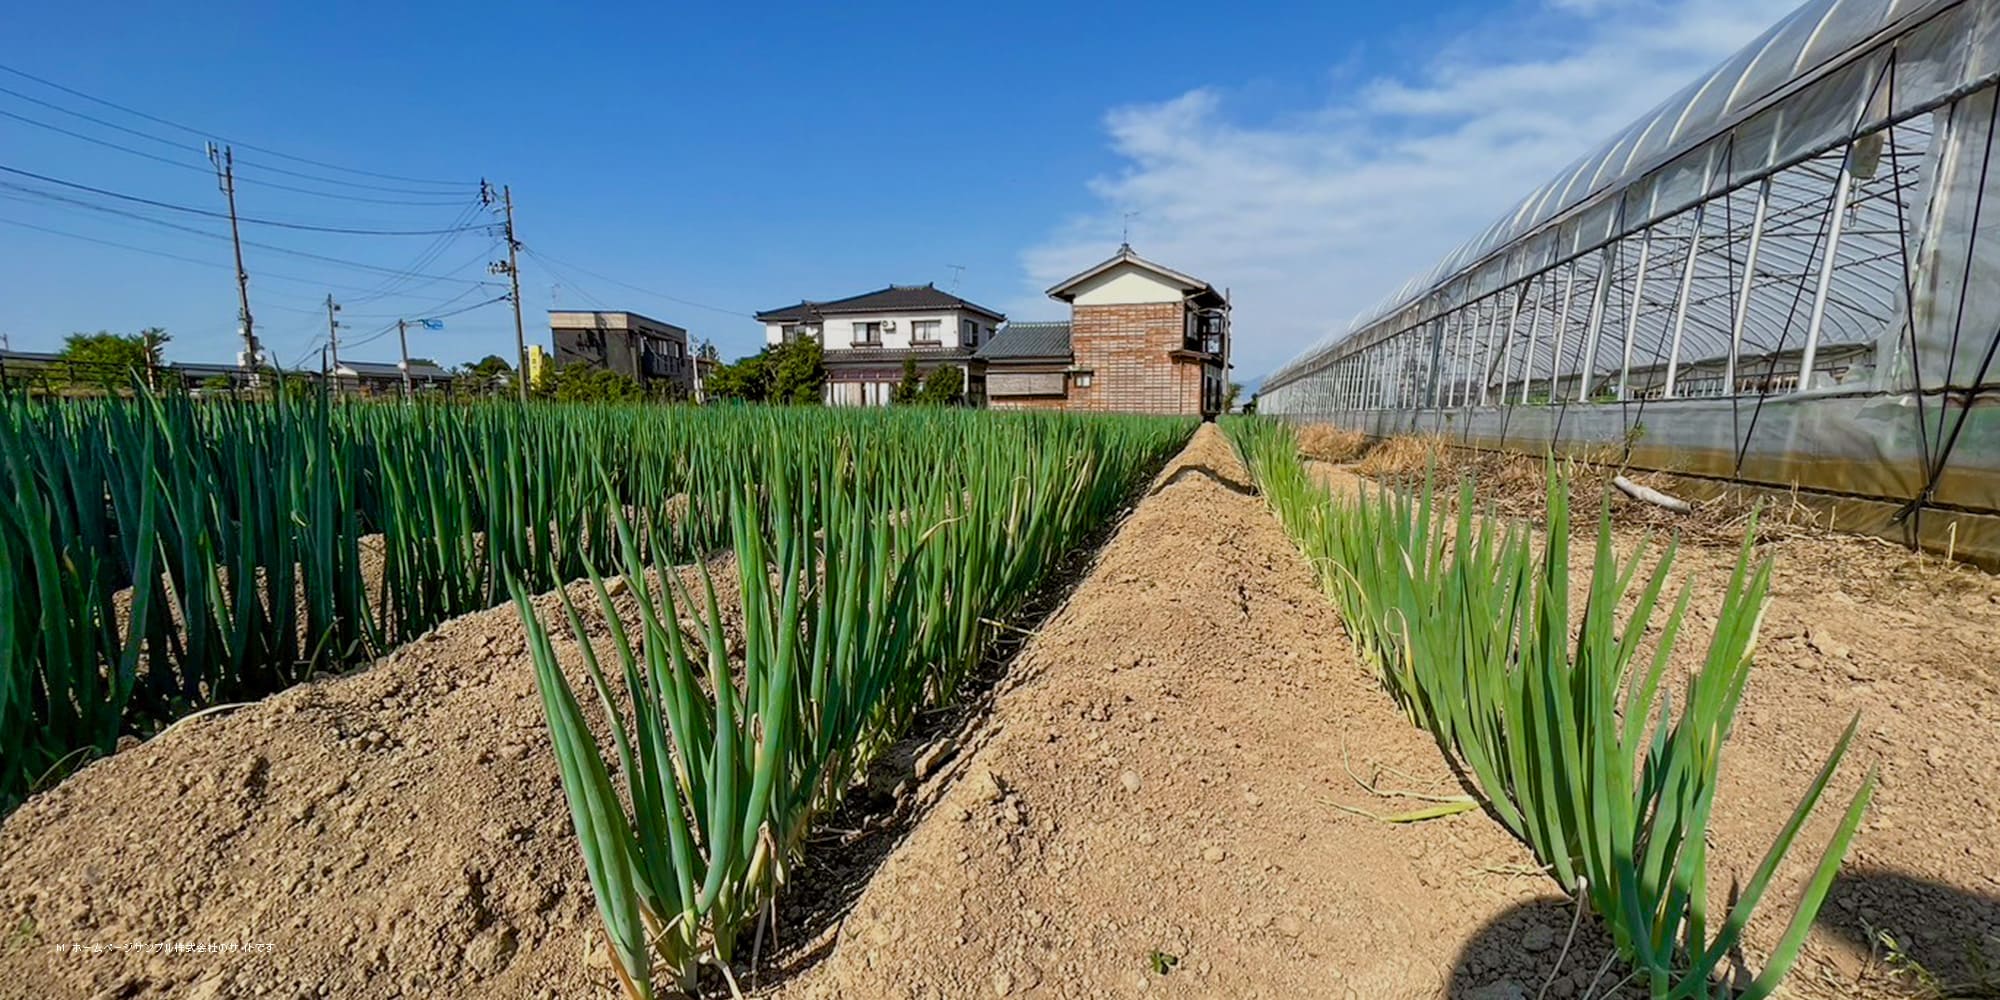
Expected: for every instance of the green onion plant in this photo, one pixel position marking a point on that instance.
(1573, 735)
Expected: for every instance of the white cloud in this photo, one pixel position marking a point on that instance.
(1316, 216)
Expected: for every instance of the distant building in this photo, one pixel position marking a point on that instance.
(650, 352)
(1141, 338)
(385, 378)
(867, 337)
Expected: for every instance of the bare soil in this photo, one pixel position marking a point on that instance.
(398, 831)
(1910, 641)
(1163, 796)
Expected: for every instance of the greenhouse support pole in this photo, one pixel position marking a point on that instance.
(1378, 363)
(1457, 395)
(1681, 301)
(1507, 341)
(1562, 324)
(1534, 333)
(1632, 320)
(1595, 327)
(1459, 357)
(1826, 266)
(1749, 282)
(1486, 370)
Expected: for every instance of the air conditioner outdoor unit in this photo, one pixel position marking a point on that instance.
(889, 326)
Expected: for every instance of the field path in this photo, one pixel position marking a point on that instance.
(1161, 775)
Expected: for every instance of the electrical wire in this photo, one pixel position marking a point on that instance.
(425, 258)
(167, 255)
(244, 219)
(384, 331)
(547, 260)
(255, 182)
(207, 134)
(393, 272)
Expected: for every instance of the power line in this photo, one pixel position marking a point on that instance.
(175, 144)
(385, 331)
(168, 255)
(394, 273)
(547, 260)
(101, 142)
(191, 210)
(204, 133)
(425, 257)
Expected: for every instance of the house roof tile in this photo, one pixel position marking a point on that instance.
(1016, 341)
(895, 298)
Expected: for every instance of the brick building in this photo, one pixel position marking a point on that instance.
(1141, 338)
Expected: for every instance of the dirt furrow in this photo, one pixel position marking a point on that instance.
(1159, 802)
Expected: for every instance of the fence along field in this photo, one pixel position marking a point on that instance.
(1575, 743)
(159, 556)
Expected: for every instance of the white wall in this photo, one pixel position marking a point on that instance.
(839, 335)
(1126, 285)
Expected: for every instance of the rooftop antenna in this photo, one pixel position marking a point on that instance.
(957, 273)
(1125, 237)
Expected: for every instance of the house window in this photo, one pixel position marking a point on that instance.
(868, 333)
(924, 331)
(1082, 380)
(795, 331)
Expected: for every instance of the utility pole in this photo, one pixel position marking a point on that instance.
(700, 355)
(224, 159)
(403, 341)
(333, 339)
(512, 269)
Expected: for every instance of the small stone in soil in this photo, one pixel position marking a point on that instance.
(1538, 937)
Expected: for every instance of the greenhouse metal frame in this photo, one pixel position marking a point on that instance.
(1787, 275)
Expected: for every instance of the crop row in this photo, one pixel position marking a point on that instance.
(869, 578)
(1572, 734)
(162, 555)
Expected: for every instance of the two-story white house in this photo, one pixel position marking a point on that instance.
(868, 336)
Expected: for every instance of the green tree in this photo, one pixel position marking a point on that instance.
(787, 373)
(490, 366)
(488, 375)
(106, 360)
(747, 380)
(1229, 400)
(798, 371)
(944, 386)
(909, 387)
(587, 383)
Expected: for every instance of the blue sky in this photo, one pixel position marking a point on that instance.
(700, 164)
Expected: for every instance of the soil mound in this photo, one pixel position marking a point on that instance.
(397, 831)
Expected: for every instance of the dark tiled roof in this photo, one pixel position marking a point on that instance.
(895, 298)
(1028, 340)
(880, 355)
(388, 369)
